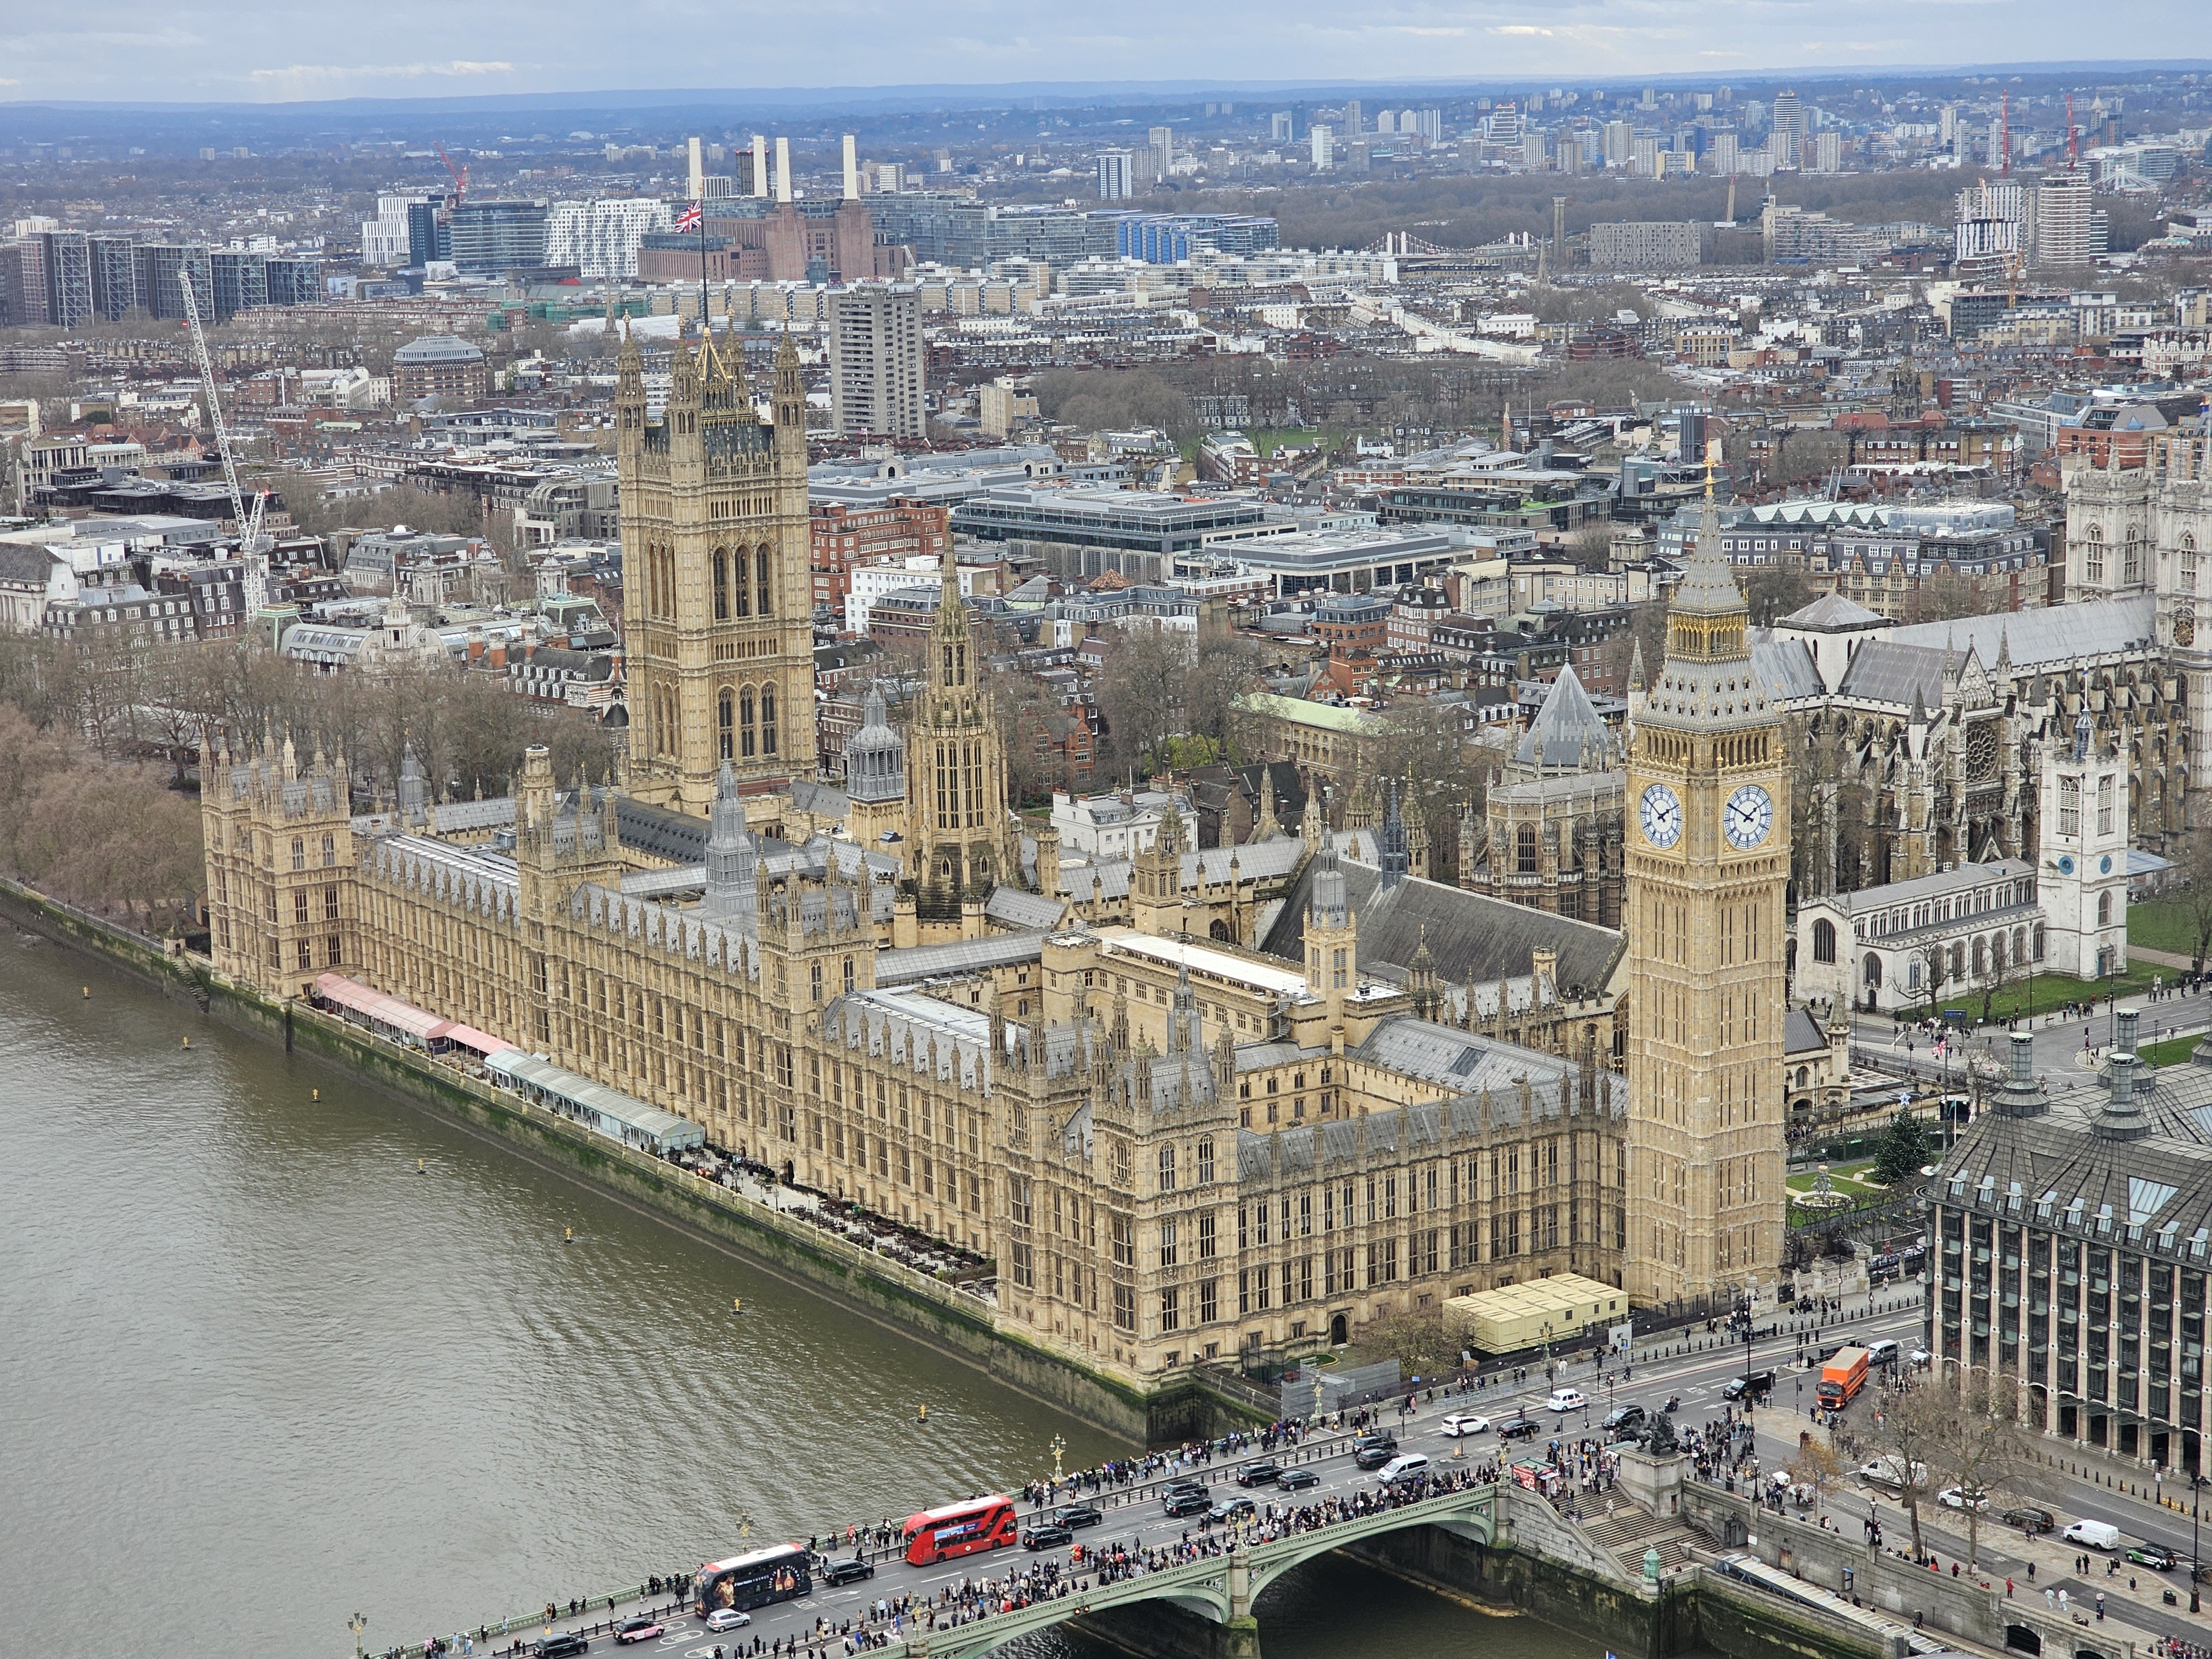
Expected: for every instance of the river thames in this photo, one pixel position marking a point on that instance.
(261, 1374)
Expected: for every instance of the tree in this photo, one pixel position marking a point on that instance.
(1933, 959)
(2196, 893)
(1815, 1464)
(1908, 1429)
(1414, 1337)
(1903, 1149)
(1946, 596)
(1774, 590)
(1978, 1446)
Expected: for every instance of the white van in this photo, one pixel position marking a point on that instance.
(2096, 1534)
(1403, 1468)
(1883, 1352)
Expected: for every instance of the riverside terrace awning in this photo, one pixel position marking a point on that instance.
(380, 1011)
(609, 1111)
(467, 1036)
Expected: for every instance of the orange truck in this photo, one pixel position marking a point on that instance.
(1842, 1379)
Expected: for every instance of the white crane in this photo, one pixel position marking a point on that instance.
(251, 542)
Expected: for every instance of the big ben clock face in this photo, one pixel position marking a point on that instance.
(1747, 817)
(1660, 813)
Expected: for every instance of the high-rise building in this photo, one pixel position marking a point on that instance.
(430, 233)
(2068, 230)
(23, 282)
(1116, 175)
(1987, 235)
(601, 238)
(1787, 122)
(384, 239)
(295, 281)
(1707, 873)
(1534, 153)
(161, 266)
(718, 637)
(496, 236)
(1279, 129)
(1162, 142)
(876, 360)
(68, 277)
(1723, 157)
(1322, 145)
(1620, 143)
(1503, 124)
(114, 276)
(1354, 115)
(241, 280)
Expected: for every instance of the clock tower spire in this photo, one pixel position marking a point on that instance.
(1707, 869)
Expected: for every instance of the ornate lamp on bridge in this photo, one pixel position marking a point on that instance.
(359, 1624)
(1059, 1447)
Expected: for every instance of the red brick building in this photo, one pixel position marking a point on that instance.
(846, 536)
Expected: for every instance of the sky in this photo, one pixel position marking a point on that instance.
(283, 51)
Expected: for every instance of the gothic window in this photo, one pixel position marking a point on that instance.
(725, 722)
(1206, 1163)
(2131, 556)
(1981, 959)
(1872, 971)
(2189, 564)
(2104, 805)
(1524, 853)
(1824, 940)
(768, 719)
(2070, 806)
(1167, 1168)
(740, 567)
(2104, 909)
(746, 730)
(763, 574)
(2093, 554)
(2019, 946)
(721, 588)
(1219, 932)
(299, 854)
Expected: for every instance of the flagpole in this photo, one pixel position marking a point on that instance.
(706, 323)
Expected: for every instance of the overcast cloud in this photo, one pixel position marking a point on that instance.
(263, 51)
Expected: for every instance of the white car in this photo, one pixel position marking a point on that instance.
(1459, 1423)
(1565, 1399)
(727, 1619)
(1957, 1498)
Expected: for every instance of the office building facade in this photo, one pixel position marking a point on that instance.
(876, 358)
(493, 237)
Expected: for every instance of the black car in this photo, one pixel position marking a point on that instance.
(1051, 1536)
(1374, 1457)
(2029, 1518)
(1297, 1480)
(1519, 1428)
(1232, 1509)
(1180, 1503)
(560, 1646)
(1758, 1384)
(1622, 1419)
(1184, 1489)
(1078, 1514)
(847, 1572)
(1259, 1474)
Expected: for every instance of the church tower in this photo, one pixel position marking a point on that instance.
(961, 838)
(1708, 861)
(718, 634)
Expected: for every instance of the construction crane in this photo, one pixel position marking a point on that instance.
(251, 540)
(460, 174)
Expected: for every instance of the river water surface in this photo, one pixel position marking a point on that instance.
(259, 1374)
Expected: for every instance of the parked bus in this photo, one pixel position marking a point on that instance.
(743, 1582)
(980, 1523)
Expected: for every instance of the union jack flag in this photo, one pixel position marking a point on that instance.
(689, 219)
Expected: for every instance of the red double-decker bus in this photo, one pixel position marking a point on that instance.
(980, 1523)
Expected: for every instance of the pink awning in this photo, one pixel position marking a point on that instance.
(379, 1006)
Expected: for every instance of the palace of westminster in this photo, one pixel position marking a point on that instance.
(1259, 1097)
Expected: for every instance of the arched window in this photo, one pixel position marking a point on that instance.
(763, 582)
(2019, 946)
(1167, 1168)
(1524, 855)
(2189, 564)
(725, 723)
(2093, 554)
(2039, 941)
(747, 731)
(1206, 1162)
(2104, 909)
(768, 719)
(1981, 959)
(1872, 971)
(1220, 932)
(741, 570)
(2131, 556)
(721, 586)
(1824, 940)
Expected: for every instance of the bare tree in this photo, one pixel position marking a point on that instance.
(2196, 893)
(1908, 1428)
(1980, 1446)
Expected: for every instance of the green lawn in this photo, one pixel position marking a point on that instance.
(2046, 991)
(2163, 925)
(2174, 1051)
(1853, 1181)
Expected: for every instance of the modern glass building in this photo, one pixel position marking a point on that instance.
(492, 237)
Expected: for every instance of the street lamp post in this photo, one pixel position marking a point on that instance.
(359, 1624)
(2197, 1484)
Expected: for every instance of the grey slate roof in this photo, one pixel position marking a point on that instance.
(1785, 667)
(1010, 907)
(958, 960)
(2055, 637)
(1454, 1059)
(1472, 936)
(1568, 730)
(1802, 1033)
(1888, 672)
(1831, 613)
